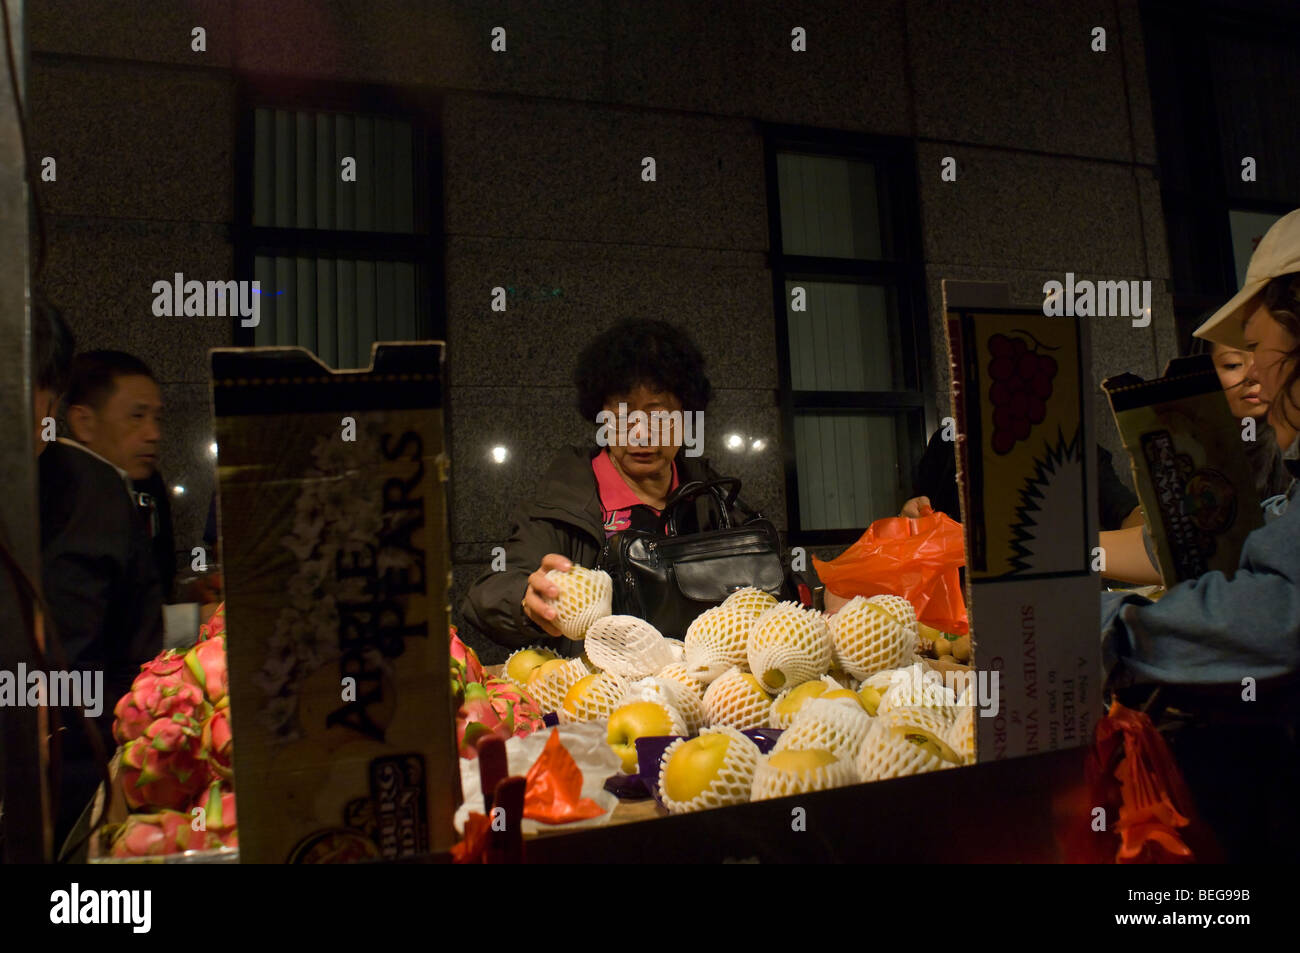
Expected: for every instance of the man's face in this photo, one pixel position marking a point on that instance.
(646, 461)
(126, 429)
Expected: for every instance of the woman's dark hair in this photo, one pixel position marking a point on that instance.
(52, 347)
(1282, 299)
(640, 351)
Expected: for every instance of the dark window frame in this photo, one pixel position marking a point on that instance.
(903, 272)
(1201, 208)
(424, 247)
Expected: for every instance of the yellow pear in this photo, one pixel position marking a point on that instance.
(797, 696)
(522, 664)
(870, 696)
(577, 692)
(694, 766)
(637, 720)
(800, 762)
(545, 669)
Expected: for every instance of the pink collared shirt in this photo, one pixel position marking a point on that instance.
(617, 498)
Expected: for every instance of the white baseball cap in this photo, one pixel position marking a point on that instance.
(1278, 254)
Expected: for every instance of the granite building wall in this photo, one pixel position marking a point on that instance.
(541, 152)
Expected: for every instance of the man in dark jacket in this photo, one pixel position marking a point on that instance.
(99, 576)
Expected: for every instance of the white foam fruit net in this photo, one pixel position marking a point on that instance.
(734, 699)
(549, 690)
(961, 734)
(887, 752)
(902, 610)
(585, 596)
(684, 702)
(788, 644)
(781, 719)
(827, 725)
(731, 782)
(750, 601)
(677, 648)
(770, 782)
(916, 687)
(715, 642)
(626, 645)
(598, 699)
(868, 638)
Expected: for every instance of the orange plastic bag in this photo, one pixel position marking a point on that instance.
(917, 559)
(554, 792)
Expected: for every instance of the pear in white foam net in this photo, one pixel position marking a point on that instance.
(627, 645)
(585, 596)
(788, 645)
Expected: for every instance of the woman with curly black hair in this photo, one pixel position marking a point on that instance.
(642, 384)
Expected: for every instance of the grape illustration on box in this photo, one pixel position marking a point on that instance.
(1025, 457)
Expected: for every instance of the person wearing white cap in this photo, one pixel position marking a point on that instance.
(1240, 633)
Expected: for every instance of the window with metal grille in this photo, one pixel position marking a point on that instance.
(338, 218)
(853, 341)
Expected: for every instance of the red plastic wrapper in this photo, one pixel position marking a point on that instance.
(1155, 810)
(917, 559)
(554, 793)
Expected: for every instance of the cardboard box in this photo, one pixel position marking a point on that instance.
(1189, 467)
(335, 555)
(1029, 512)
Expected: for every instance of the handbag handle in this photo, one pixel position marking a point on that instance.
(687, 494)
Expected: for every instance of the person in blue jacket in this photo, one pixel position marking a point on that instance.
(1218, 657)
(1214, 630)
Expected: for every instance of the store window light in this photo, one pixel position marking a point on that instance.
(735, 441)
(178, 490)
(500, 454)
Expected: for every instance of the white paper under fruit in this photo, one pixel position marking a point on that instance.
(626, 645)
(585, 596)
(732, 782)
(887, 753)
(779, 719)
(685, 702)
(770, 782)
(750, 601)
(716, 641)
(591, 752)
(549, 690)
(827, 725)
(598, 701)
(733, 699)
(868, 638)
(788, 645)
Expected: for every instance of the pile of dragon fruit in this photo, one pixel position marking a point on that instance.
(177, 751)
(491, 706)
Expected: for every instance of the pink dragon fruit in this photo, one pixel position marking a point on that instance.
(205, 668)
(465, 666)
(494, 706)
(218, 741)
(166, 832)
(518, 711)
(159, 691)
(218, 803)
(215, 626)
(164, 767)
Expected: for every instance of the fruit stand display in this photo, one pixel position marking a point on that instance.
(173, 777)
(762, 699)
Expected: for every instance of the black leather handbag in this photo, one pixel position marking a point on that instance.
(669, 578)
